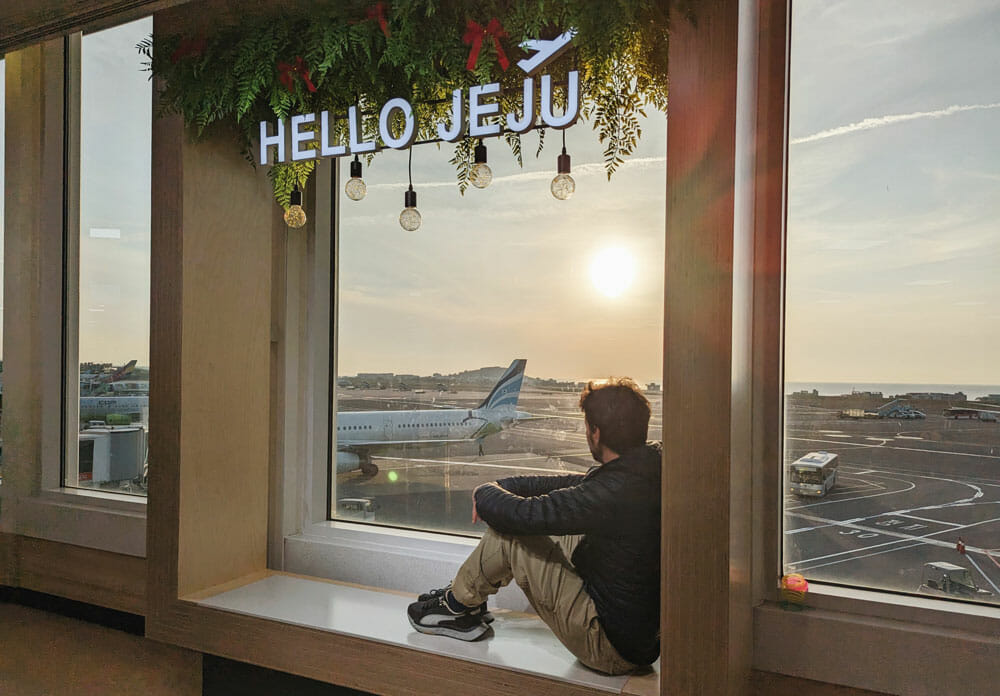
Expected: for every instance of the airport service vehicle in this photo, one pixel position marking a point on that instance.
(357, 508)
(813, 474)
(360, 434)
(984, 415)
(947, 579)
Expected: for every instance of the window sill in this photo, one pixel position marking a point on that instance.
(394, 559)
(519, 642)
(886, 643)
(92, 519)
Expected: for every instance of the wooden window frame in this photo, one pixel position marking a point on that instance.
(42, 146)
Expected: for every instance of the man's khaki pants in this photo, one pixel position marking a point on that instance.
(541, 567)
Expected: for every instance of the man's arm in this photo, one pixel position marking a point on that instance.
(527, 486)
(577, 509)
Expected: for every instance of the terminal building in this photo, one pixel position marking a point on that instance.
(233, 575)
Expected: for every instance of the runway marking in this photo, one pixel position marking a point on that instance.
(923, 539)
(908, 437)
(904, 449)
(867, 555)
(925, 519)
(917, 472)
(860, 497)
(992, 584)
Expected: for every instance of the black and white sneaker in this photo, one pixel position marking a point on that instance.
(483, 612)
(436, 617)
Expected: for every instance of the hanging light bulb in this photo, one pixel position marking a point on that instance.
(355, 187)
(409, 219)
(481, 174)
(563, 185)
(295, 216)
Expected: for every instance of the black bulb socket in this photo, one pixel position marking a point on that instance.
(562, 163)
(356, 169)
(479, 153)
(410, 199)
(296, 198)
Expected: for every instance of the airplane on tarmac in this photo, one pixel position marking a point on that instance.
(97, 383)
(100, 406)
(360, 434)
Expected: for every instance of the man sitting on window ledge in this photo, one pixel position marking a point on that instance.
(585, 548)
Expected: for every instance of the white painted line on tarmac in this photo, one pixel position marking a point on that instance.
(855, 558)
(926, 519)
(923, 539)
(859, 497)
(917, 472)
(903, 449)
(992, 584)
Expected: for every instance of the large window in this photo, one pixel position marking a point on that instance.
(113, 250)
(430, 321)
(892, 407)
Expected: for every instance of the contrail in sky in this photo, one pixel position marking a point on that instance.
(880, 121)
(591, 168)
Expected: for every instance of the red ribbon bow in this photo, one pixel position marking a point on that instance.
(474, 35)
(377, 12)
(288, 71)
(188, 47)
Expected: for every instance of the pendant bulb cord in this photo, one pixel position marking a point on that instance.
(564, 141)
(409, 168)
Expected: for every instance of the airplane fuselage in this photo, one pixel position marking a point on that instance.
(369, 427)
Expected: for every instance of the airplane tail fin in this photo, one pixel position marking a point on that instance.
(507, 389)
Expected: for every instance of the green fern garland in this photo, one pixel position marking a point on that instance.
(231, 77)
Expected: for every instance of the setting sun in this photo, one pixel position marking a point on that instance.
(612, 271)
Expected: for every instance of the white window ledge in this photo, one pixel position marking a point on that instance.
(518, 642)
(393, 559)
(894, 644)
(93, 519)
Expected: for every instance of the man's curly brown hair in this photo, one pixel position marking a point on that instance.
(620, 409)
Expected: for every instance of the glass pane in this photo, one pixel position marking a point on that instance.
(430, 320)
(891, 298)
(115, 130)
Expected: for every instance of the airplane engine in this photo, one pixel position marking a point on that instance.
(349, 461)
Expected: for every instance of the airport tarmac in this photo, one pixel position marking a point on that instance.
(906, 491)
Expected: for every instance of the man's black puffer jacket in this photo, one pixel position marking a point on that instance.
(617, 507)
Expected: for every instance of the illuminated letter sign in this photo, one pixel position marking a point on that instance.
(470, 113)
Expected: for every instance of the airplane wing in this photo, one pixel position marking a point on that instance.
(523, 416)
(376, 447)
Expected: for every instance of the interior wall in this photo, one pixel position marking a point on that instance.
(225, 364)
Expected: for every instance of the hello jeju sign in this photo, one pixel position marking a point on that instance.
(468, 111)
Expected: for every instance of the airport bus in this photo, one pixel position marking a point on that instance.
(814, 474)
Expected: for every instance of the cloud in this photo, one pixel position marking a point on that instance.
(880, 121)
